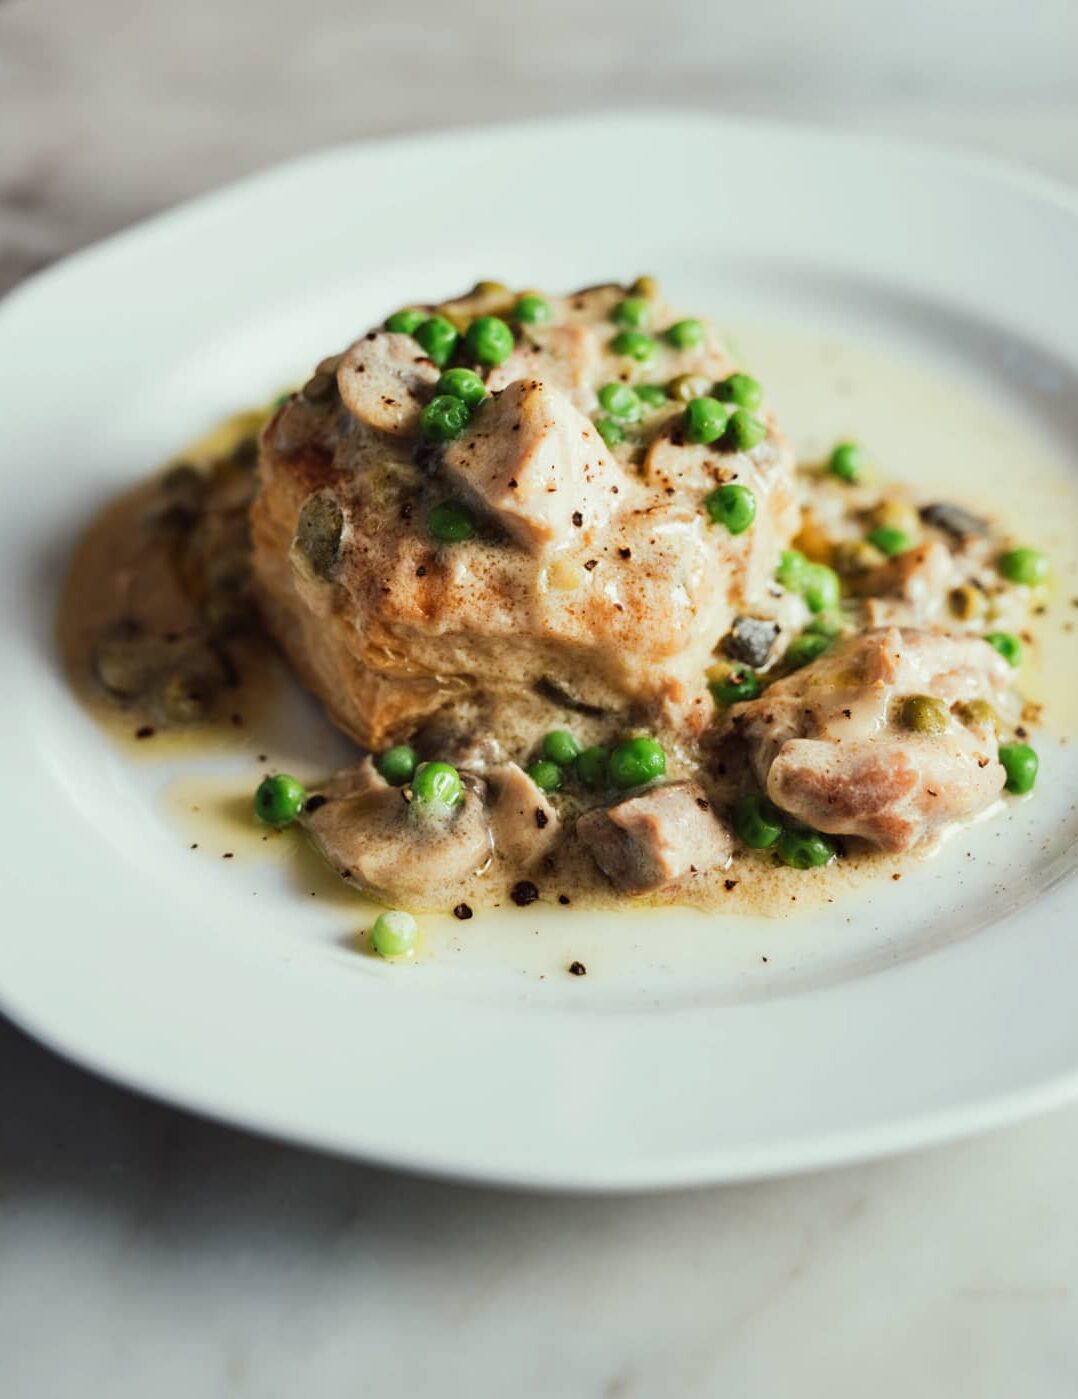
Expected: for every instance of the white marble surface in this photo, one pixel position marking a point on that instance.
(143, 1252)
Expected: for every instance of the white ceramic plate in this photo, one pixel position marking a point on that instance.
(916, 1013)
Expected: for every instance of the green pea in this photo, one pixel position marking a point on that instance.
(489, 340)
(632, 314)
(733, 506)
(280, 800)
(636, 761)
(804, 849)
(437, 787)
(1020, 763)
(651, 395)
(546, 775)
(1024, 565)
(848, 462)
(610, 430)
(1007, 644)
(621, 401)
(889, 540)
(923, 714)
(532, 310)
(397, 764)
(634, 345)
(444, 418)
(561, 747)
(464, 384)
(438, 337)
(743, 431)
(829, 625)
(820, 587)
(805, 648)
(450, 522)
(405, 322)
(394, 934)
(591, 767)
(756, 822)
(686, 335)
(740, 389)
(791, 570)
(705, 420)
(685, 387)
(738, 685)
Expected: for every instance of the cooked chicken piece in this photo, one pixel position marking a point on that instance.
(912, 587)
(538, 466)
(609, 589)
(655, 838)
(524, 823)
(371, 836)
(385, 380)
(566, 357)
(840, 746)
(675, 467)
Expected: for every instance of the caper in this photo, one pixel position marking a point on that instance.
(977, 714)
(320, 387)
(854, 556)
(318, 533)
(185, 699)
(965, 602)
(923, 714)
(183, 479)
(224, 613)
(123, 665)
(892, 513)
(645, 286)
(245, 452)
(686, 387)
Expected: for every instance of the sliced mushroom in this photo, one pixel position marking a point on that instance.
(367, 831)
(384, 381)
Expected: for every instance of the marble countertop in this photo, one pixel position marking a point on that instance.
(145, 1252)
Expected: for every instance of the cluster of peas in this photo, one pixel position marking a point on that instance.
(631, 763)
(460, 390)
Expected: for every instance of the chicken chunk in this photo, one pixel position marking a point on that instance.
(677, 467)
(653, 839)
(384, 380)
(539, 466)
(833, 746)
(564, 357)
(525, 824)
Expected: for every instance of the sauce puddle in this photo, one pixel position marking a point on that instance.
(955, 446)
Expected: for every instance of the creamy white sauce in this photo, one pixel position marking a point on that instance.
(946, 443)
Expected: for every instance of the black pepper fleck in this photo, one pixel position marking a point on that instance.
(147, 731)
(313, 803)
(577, 969)
(541, 818)
(524, 893)
(463, 912)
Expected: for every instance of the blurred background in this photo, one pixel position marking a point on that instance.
(115, 108)
(143, 1252)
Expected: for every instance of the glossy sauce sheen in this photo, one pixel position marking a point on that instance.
(956, 447)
